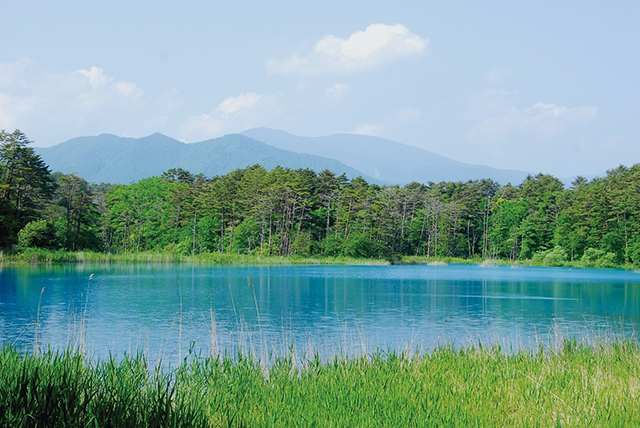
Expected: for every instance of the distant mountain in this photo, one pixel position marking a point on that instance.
(112, 159)
(385, 159)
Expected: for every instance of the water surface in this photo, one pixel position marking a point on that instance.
(163, 309)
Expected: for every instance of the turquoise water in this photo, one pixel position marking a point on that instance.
(164, 310)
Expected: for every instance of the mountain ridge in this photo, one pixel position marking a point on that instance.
(110, 158)
(384, 159)
(122, 160)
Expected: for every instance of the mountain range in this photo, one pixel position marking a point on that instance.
(113, 159)
(385, 160)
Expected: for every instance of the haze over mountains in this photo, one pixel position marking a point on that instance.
(386, 160)
(109, 158)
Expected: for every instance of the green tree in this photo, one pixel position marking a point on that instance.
(26, 185)
(80, 213)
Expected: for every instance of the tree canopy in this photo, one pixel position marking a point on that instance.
(288, 212)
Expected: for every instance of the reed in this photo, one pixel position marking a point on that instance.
(40, 255)
(561, 383)
(35, 341)
(578, 385)
(180, 322)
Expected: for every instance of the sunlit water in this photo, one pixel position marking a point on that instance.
(165, 309)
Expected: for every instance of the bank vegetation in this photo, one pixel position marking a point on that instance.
(306, 215)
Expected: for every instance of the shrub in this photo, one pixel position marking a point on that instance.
(634, 252)
(39, 234)
(332, 246)
(555, 257)
(538, 258)
(591, 256)
(608, 260)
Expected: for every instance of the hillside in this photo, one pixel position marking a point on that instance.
(386, 160)
(113, 159)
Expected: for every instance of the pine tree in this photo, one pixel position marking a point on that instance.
(26, 185)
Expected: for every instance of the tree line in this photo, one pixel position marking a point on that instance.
(285, 212)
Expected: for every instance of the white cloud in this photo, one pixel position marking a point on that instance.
(128, 90)
(233, 104)
(96, 76)
(102, 89)
(53, 107)
(368, 129)
(498, 75)
(202, 126)
(540, 120)
(335, 93)
(539, 137)
(11, 108)
(362, 50)
(234, 114)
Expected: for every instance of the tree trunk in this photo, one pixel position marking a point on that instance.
(195, 216)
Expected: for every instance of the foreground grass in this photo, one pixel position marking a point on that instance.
(577, 386)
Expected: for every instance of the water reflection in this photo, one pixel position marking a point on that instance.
(163, 309)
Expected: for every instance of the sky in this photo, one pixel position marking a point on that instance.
(541, 86)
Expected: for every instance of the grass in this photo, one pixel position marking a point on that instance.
(503, 262)
(579, 385)
(39, 255)
(44, 256)
(455, 260)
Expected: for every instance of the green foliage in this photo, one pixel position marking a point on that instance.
(634, 251)
(359, 245)
(302, 244)
(285, 212)
(557, 256)
(26, 185)
(246, 236)
(38, 233)
(607, 260)
(508, 230)
(591, 257)
(78, 211)
(331, 246)
(613, 242)
(44, 255)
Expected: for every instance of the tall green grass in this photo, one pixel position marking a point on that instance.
(578, 385)
(40, 255)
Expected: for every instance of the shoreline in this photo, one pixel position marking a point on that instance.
(42, 256)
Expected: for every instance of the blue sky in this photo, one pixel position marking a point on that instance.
(538, 86)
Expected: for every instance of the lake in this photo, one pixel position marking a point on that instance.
(165, 309)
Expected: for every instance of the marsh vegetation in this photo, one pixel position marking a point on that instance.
(575, 385)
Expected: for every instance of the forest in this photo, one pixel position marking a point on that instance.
(286, 212)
